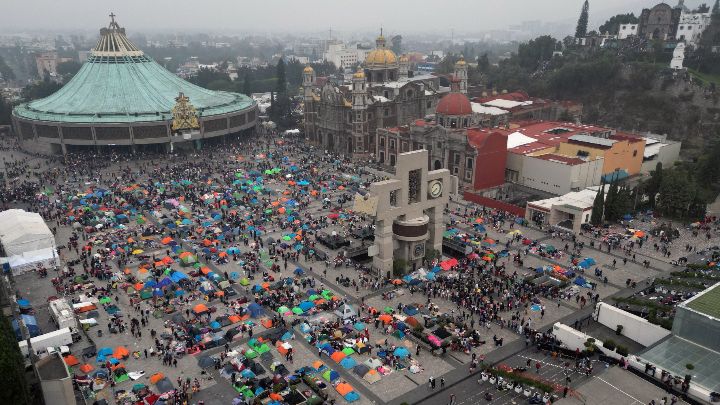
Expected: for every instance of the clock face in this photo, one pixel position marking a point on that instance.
(419, 250)
(435, 189)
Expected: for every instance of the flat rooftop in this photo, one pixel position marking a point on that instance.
(52, 368)
(707, 302)
(674, 353)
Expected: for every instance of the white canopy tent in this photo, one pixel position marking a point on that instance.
(22, 232)
(25, 241)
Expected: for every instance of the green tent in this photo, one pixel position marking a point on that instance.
(244, 281)
(388, 310)
(105, 300)
(326, 294)
(263, 348)
(121, 378)
(283, 309)
(146, 294)
(251, 354)
(314, 297)
(297, 311)
(348, 351)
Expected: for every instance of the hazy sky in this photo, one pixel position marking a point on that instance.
(397, 16)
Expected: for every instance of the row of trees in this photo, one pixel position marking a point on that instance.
(12, 367)
(619, 201)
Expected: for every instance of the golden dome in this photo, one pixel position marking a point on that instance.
(359, 74)
(381, 58)
(308, 69)
(461, 62)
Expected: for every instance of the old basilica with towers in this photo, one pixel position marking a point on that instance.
(383, 94)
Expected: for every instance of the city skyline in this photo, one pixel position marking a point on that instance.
(315, 16)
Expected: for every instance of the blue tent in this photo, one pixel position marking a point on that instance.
(581, 282)
(215, 325)
(150, 283)
(247, 373)
(23, 304)
(254, 309)
(165, 282)
(299, 271)
(401, 352)
(105, 351)
(306, 306)
(410, 310)
(176, 276)
(348, 363)
(352, 396)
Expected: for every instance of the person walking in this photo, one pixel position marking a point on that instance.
(442, 382)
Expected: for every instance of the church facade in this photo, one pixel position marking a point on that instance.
(344, 118)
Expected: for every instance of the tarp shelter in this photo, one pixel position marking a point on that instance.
(345, 312)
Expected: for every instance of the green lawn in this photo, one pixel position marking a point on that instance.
(705, 77)
(708, 303)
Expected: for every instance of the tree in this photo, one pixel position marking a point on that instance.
(483, 63)
(536, 51)
(12, 367)
(68, 69)
(611, 213)
(597, 208)
(582, 24)
(280, 107)
(612, 26)
(40, 89)
(247, 85)
(677, 192)
(716, 8)
(652, 186)
(5, 111)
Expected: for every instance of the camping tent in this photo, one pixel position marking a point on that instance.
(345, 312)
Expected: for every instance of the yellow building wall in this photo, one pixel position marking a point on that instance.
(623, 155)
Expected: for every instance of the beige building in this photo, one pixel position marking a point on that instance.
(567, 212)
(55, 380)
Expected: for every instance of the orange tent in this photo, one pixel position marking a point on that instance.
(139, 286)
(397, 281)
(223, 254)
(385, 318)
(167, 260)
(343, 389)
(234, 318)
(126, 271)
(121, 352)
(276, 396)
(219, 293)
(159, 263)
(206, 242)
(185, 254)
(71, 360)
(317, 364)
(200, 308)
(245, 317)
(131, 240)
(275, 203)
(267, 323)
(142, 270)
(338, 356)
(156, 377)
(86, 368)
(166, 240)
(205, 270)
(266, 285)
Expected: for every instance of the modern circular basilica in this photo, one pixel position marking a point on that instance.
(122, 98)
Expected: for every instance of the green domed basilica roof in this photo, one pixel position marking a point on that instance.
(120, 84)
